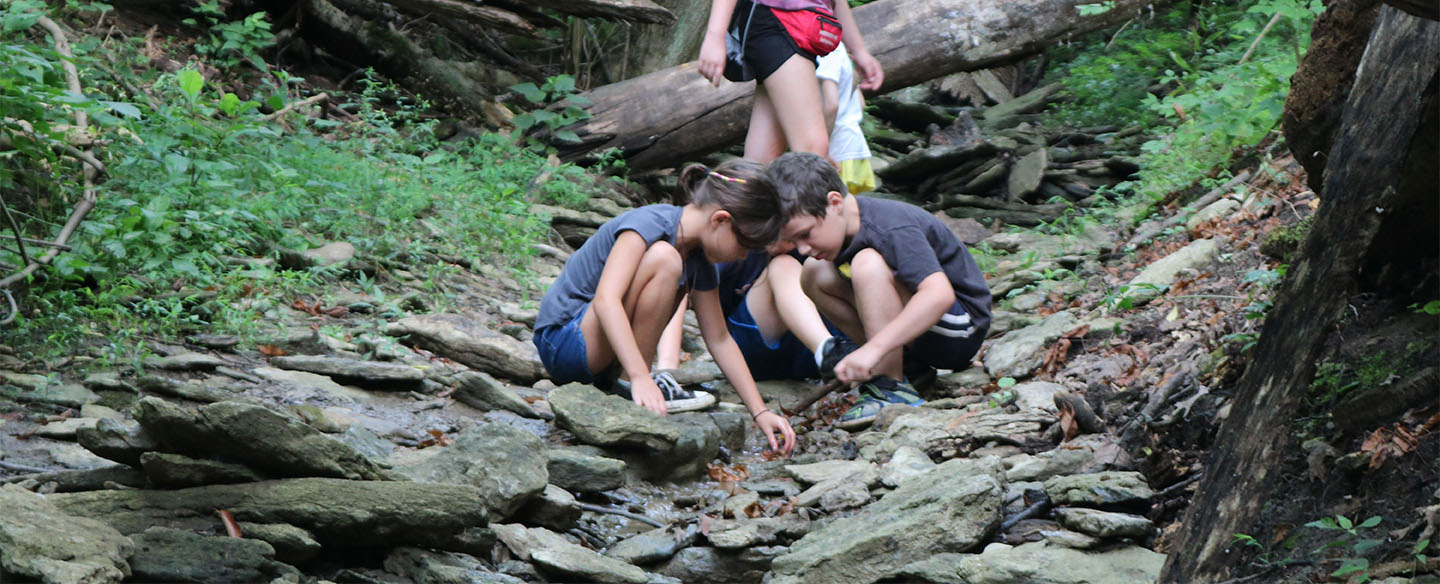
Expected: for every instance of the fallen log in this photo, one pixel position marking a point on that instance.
(670, 116)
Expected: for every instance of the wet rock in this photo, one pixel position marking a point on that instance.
(24, 380)
(952, 508)
(1105, 524)
(907, 463)
(64, 395)
(574, 470)
(98, 411)
(373, 513)
(311, 384)
(64, 429)
(656, 545)
(1027, 173)
(969, 231)
(223, 342)
(608, 420)
(187, 362)
(1217, 210)
(377, 375)
(554, 508)
(204, 392)
(255, 436)
(292, 545)
(1021, 352)
(432, 567)
(469, 342)
(70, 481)
(479, 390)
(1096, 489)
(945, 434)
(820, 472)
(1038, 467)
(122, 442)
(1156, 278)
(171, 555)
(505, 464)
(1036, 396)
(173, 471)
(558, 557)
(861, 478)
(845, 495)
(737, 504)
(109, 381)
(40, 541)
(1044, 563)
(335, 252)
(708, 564)
(1071, 539)
(745, 532)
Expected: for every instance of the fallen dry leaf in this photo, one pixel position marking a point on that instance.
(1068, 423)
(271, 350)
(232, 528)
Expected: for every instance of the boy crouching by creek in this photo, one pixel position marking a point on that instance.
(887, 273)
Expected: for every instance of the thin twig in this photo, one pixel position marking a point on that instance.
(19, 240)
(812, 398)
(23, 467)
(620, 512)
(1180, 485)
(317, 98)
(14, 308)
(1256, 43)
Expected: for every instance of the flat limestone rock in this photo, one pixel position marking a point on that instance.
(39, 540)
(470, 342)
(376, 374)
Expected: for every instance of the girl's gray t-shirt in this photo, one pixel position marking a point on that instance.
(575, 287)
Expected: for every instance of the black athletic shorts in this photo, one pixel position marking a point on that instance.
(767, 44)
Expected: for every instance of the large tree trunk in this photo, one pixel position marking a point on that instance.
(1386, 135)
(652, 47)
(671, 116)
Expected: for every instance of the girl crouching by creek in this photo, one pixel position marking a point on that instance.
(601, 320)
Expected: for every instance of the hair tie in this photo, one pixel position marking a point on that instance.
(727, 178)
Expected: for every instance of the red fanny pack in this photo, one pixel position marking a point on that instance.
(815, 30)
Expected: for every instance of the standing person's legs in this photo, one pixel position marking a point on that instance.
(787, 113)
(649, 303)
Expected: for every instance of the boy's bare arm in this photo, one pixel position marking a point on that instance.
(931, 300)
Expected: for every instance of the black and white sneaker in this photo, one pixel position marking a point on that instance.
(831, 352)
(677, 398)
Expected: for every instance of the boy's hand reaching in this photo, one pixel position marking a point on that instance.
(859, 366)
(769, 423)
(644, 391)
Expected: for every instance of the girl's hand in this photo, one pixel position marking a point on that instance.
(871, 74)
(712, 58)
(859, 366)
(647, 394)
(769, 423)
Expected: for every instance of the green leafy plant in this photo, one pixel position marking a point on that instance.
(1431, 308)
(548, 113)
(231, 42)
(1353, 565)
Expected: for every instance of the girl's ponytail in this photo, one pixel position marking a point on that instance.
(740, 187)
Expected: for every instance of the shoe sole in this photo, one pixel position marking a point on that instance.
(701, 401)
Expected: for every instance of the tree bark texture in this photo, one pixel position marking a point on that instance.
(652, 47)
(1322, 82)
(340, 25)
(1392, 101)
(670, 116)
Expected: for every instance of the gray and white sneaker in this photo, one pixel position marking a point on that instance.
(677, 398)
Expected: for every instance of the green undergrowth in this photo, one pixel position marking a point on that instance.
(201, 184)
(1184, 76)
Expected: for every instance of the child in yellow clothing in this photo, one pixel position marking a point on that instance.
(843, 106)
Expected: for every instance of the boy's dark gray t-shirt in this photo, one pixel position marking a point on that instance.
(916, 244)
(575, 287)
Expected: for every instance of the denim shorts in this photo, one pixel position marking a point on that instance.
(562, 350)
(950, 343)
(787, 358)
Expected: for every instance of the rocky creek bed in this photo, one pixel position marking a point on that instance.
(425, 446)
